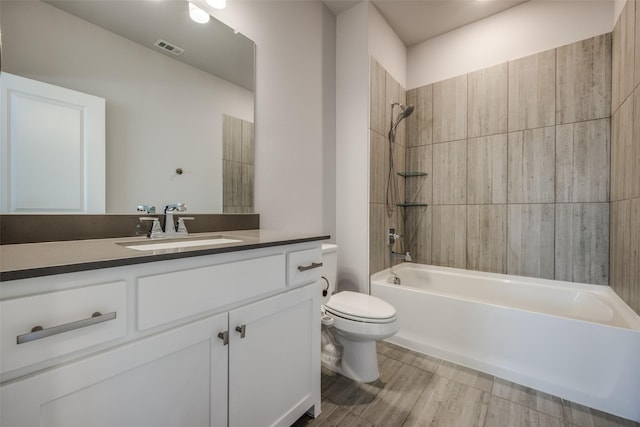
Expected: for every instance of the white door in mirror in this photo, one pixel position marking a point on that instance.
(58, 165)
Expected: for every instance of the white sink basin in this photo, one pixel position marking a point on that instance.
(176, 244)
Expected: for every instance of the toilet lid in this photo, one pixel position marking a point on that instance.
(360, 305)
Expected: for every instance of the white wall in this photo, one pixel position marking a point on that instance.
(386, 47)
(529, 28)
(161, 113)
(294, 124)
(352, 140)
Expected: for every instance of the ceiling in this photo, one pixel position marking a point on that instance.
(415, 21)
(213, 47)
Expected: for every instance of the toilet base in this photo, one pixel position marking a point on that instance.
(359, 360)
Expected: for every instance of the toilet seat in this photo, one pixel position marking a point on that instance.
(360, 308)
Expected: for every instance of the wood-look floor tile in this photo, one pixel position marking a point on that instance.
(583, 416)
(528, 397)
(356, 396)
(503, 413)
(465, 376)
(394, 403)
(409, 357)
(448, 403)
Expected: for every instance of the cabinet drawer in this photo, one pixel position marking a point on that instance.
(304, 266)
(172, 296)
(67, 321)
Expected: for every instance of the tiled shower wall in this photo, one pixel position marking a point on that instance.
(518, 162)
(625, 156)
(384, 90)
(238, 162)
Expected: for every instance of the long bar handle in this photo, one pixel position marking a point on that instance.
(309, 267)
(38, 332)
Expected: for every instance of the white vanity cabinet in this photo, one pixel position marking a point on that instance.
(189, 355)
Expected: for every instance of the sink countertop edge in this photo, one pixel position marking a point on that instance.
(28, 260)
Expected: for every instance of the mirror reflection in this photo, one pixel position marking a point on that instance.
(165, 115)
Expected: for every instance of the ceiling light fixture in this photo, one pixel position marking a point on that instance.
(217, 4)
(198, 15)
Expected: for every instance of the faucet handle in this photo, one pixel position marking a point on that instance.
(182, 228)
(150, 209)
(156, 228)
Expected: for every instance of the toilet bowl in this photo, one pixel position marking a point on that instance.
(356, 321)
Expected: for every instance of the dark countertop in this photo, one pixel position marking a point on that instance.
(28, 260)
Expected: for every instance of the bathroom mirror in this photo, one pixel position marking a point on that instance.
(164, 112)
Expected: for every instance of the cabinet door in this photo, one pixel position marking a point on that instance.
(175, 378)
(274, 371)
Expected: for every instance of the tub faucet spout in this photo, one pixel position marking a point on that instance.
(404, 256)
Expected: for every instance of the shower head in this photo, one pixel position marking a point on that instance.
(406, 112)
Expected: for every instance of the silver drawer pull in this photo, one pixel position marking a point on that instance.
(309, 267)
(241, 330)
(38, 332)
(224, 336)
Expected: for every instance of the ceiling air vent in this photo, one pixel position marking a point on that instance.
(168, 47)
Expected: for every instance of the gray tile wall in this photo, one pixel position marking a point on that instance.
(625, 156)
(384, 90)
(237, 165)
(518, 163)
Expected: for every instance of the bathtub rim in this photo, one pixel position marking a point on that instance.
(628, 315)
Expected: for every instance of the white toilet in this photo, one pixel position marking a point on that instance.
(356, 321)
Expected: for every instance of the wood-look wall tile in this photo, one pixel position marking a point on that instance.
(248, 178)
(625, 247)
(622, 56)
(232, 183)
(248, 143)
(419, 189)
(378, 167)
(395, 93)
(420, 122)
(531, 166)
(634, 166)
(623, 168)
(637, 46)
(446, 403)
(377, 98)
(450, 109)
(530, 232)
(532, 91)
(417, 236)
(584, 80)
(450, 173)
(378, 256)
(487, 169)
(487, 238)
(634, 264)
(449, 235)
(582, 161)
(582, 243)
(231, 138)
(487, 105)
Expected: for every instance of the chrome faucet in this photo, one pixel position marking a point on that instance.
(391, 240)
(171, 229)
(169, 222)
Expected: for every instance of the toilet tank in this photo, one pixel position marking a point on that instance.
(329, 267)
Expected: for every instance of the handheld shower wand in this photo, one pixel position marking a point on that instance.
(406, 112)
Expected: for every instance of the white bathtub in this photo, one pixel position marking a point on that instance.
(575, 341)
